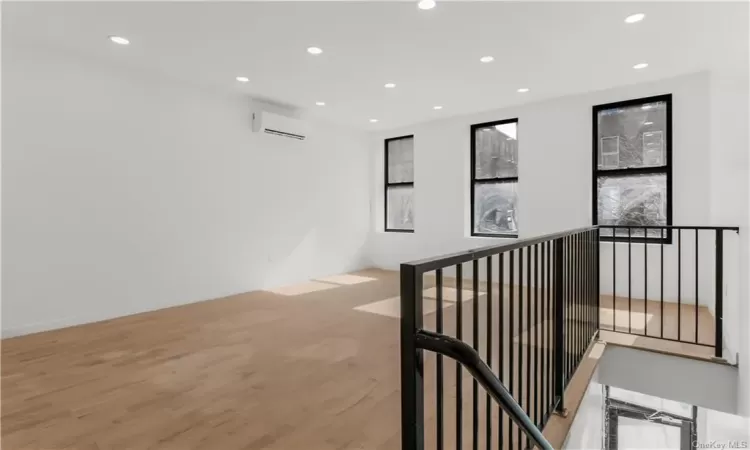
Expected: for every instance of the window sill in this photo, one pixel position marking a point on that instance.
(489, 235)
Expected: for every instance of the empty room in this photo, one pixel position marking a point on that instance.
(375, 225)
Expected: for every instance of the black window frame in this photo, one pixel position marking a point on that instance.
(389, 184)
(633, 171)
(474, 181)
(615, 408)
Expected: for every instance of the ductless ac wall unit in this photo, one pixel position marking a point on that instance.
(278, 125)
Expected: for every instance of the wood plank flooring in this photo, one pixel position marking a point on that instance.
(296, 368)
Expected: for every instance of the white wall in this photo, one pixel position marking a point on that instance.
(124, 192)
(687, 380)
(554, 182)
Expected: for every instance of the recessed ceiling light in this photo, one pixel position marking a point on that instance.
(635, 18)
(648, 123)
(390, 85)
(426, 4)
(320, 103)
(373, 120)
(640, 66)
(437, 107)
(314, 50)
(522, 90)
(119, 40)
(243, 79)
(486, 59)
(647, 106)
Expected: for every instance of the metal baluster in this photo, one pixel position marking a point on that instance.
(459, 335)
(679, 284)
(511, 320)
(520, 335)
(645, 282)
(630, 282)
(696, 285)
(537, 329)
(488, 409)
(475, 340)
(614, 280)
(719, 302)
(661, 279)
(439, 329)
(529, 305)
(501, 343)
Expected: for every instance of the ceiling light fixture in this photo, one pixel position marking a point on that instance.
(320, 103)
(522, 90)
(640, 66)
(426, 4)
(243, 79)
(390, 85)
(314, 50)
(437, 107)
(119, 40)
(635, 18)
(486, 59)
(373, 120)
(648, 123)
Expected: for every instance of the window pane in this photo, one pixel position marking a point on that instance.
(401, 160)
(636, 433)
(634, 136)
(496, 150)
(400, 208)
(495, 208)
(632, 201)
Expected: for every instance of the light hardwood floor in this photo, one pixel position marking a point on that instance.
(297, 368)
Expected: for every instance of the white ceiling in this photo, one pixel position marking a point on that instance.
(433, 56)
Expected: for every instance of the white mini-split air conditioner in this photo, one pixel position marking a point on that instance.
(278, 125)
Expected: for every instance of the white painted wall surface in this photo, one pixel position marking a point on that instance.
(124, 192)
(700, 383)
(555, 184)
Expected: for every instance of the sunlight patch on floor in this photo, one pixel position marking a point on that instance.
(346, 279)
(391, 307)
(303, 288)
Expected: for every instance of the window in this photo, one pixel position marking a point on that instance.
(633, 167)
(399, 184)
(642, 421)
(494, 178)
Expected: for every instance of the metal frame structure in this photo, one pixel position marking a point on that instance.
(665, 169)
(560, 316)
(389, 184)
(496, 180)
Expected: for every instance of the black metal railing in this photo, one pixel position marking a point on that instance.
(529, 332)
(665, 282)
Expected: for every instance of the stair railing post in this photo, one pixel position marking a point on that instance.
(719, 306)
(412, 362)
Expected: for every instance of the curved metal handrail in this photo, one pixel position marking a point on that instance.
(470, 359)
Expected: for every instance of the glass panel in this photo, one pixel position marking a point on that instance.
(642, 434)
(495, 208)
(632, 201)
(496, 150)
(400, 208)
(401, 160)
(634, 136)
